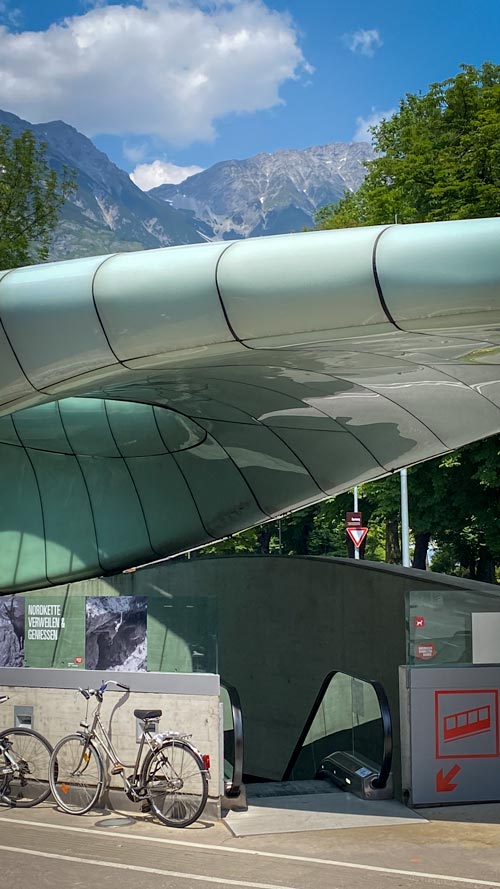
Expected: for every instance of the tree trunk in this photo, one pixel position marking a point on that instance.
(422, 540)
(485, 570)
(264, 538)
(392, 544)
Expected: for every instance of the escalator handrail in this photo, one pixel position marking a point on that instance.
(385, 713)
(233, 788)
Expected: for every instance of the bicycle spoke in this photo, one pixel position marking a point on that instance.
(176, 784)
(76, 775)
(27, 758)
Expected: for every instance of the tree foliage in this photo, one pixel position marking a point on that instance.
(437, 158)
(31, 196)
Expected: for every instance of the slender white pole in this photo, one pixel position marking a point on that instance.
(356, 549)
(279, 536)
(405, 527)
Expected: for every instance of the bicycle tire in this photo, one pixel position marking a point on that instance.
(29, 784)
(176, 783)
(76, 774)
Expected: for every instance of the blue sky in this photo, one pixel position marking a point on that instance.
(188, 83)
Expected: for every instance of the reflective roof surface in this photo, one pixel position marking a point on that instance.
(152, 402)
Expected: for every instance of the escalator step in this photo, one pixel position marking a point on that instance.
(289, 788)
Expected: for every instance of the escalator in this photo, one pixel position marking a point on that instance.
(345, 744)
(347, 738)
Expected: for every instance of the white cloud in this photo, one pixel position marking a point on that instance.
(148, 176)
(167, 68)
(363, 42)
(363, 124)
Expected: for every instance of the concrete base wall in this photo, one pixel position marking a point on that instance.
(57, 711)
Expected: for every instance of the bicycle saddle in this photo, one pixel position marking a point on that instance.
(147, 714)
(3, 698)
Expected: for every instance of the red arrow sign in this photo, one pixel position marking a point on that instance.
(357, 535)
(444, 783)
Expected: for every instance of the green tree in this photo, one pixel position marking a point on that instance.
(437, 158)
(31, 196)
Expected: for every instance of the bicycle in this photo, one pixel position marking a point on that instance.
(24, 766)
(172, 779)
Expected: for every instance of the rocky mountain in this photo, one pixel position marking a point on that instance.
(108, 213)
(262, 195)
(269, 193)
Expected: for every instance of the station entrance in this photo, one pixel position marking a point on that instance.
(323, 665)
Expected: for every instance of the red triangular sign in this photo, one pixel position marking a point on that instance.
(357, 535)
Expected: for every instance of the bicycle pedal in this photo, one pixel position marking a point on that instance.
(146, 806)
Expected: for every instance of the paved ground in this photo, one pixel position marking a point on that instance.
(42, 848)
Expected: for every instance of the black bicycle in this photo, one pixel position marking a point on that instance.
(24, 766)
(172, 779)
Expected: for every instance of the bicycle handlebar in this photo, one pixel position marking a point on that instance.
(98, 692)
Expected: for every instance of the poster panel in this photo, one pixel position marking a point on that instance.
(12, 631)
(116, 633)
(54, 630)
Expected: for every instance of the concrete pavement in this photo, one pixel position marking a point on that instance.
(44, 848)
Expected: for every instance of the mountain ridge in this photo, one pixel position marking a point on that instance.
(269, 193)
(109, 212)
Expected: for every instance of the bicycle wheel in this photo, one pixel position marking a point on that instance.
(176, 784)
(26, 758)
(76, 774)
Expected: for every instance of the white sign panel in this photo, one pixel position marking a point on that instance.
(486, 638)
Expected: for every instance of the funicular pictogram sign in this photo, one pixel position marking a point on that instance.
(466, 732)
(467, 723)
(454, 734)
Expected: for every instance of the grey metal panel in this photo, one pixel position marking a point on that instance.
(113, 494)
(288, 286)
(41, 427)
(179, 306)
(134, 428)
(270, 468)
(436, 400)
(50, 318)
(14, 383)
(390, 433)
(161, 683)
(352, 460)
(436, 275)
(170, 510)
(222, 495)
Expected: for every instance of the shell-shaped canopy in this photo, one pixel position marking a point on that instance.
(153, 402)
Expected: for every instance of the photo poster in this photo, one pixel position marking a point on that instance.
(128, 633)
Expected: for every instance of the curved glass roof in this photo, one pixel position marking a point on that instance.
(153, 402)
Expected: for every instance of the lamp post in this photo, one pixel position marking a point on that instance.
(405, 529)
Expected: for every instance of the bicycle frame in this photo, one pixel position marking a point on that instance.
(97, 732)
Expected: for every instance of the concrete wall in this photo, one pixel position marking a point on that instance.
(189, 703)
